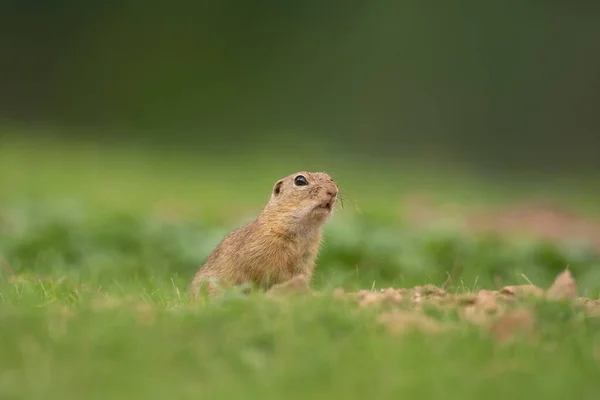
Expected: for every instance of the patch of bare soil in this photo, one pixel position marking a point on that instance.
(538, 219)
(503, 312)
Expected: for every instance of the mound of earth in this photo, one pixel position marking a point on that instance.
(505, 312)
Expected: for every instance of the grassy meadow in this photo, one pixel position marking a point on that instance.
(98, 244)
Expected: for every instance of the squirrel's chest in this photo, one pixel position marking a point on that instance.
(289, 257)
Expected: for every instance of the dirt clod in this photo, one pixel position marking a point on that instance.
(487, 300)
(513, 323)
(564, 287)
(399, 322)
(523, 291)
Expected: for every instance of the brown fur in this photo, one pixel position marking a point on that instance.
(280, 244)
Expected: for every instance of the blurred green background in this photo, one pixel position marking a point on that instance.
(508, 85)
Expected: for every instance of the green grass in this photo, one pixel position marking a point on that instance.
(98, 246)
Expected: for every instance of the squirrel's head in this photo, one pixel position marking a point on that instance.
(304, 200)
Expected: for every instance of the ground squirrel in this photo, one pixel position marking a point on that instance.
(281, 244)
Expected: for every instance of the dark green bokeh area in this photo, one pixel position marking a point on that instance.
(511, 85)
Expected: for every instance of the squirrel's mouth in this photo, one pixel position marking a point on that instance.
(328, 205)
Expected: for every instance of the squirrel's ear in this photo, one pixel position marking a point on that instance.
(277, 188)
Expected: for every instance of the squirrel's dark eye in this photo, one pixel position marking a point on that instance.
(300, 180)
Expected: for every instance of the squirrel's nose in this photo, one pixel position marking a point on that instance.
(332, 192)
